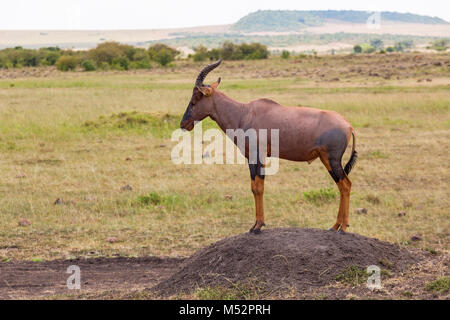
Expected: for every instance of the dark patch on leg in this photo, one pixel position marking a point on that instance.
(337, 172)
(335, 178)
(335, 142)
(255, 170)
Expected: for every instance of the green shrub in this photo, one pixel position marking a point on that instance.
(253, 51)
(103, 66)
(51, 57)
(140, 55)
(201, 53)
(321, 195)
(141, 64)
(214, 54)
(231, 51)
(357, 48)
(353, 275)
(152, 198)
(440, 45)
(107, 52)
(163, 57)
(88, 65)
(162, 53)
(285, 54)
(129, 51)
(168, 201)
(66, 63)
(157, 124)
(30, 58)
(441, 285)
(3, 62)
(106, 56)
(377, 43)
(370, 49)
(120, 63)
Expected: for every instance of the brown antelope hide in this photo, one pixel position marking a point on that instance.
(304, 135)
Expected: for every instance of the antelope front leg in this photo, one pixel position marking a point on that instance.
(257, 185)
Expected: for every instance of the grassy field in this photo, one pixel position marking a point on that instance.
(74, 136)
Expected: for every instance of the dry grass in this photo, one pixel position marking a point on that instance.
(47, 153)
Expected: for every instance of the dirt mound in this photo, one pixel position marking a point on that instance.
(286, 257)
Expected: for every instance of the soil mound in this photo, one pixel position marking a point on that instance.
(285, 257)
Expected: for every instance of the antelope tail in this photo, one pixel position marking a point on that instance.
(351, 162)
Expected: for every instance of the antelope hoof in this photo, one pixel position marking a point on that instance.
(331, 229)
(256, 229)
(341, 232)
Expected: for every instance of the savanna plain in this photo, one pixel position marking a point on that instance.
(87, 172)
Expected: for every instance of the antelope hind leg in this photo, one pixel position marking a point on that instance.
(257, 186)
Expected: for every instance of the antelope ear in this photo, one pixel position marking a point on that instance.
(215, 84)
(205, 90)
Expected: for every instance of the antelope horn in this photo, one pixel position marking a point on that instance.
(202, 75)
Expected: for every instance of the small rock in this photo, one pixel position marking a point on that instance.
(407, 204)
(162, 146)
(24, 222)
(112, 239)
(416, 238)
(228, 197)
(126, 188)
(59, 201)
(402, 214)
(361, 210)
(127, 159)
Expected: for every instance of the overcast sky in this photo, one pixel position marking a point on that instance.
(150, 14)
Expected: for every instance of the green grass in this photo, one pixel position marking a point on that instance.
(83, 136)
(353, 275)
(319, 196)
(376, 155)
(159, 125)
(220, 293)
(249, 290)
(440, 285)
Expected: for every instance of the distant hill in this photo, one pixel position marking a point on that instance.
(294, 20)
(297, 31)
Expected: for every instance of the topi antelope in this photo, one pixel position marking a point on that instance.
(304, 135)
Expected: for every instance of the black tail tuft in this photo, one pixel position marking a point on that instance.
(351, 162)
